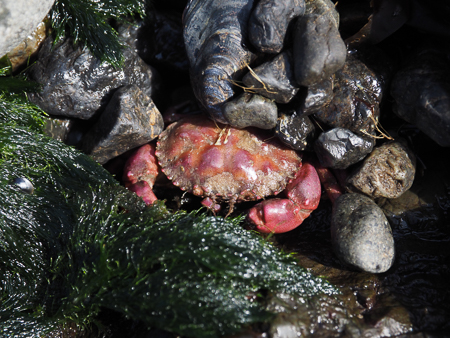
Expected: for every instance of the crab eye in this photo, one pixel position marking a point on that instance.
(24, 184)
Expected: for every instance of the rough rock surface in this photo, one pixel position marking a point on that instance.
(339, 148)
(130, 119)
(360, 233)
(18, 18)
(387, 172)
(76, 84)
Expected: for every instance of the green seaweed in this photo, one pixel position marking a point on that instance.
(81, 243)
(88, 23)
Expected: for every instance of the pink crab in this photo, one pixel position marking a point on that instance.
(225, 164)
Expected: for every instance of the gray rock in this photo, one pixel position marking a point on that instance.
(339, 148)
(296, 131)
(269, 23)
(319, 50)
(18, 19)
(317, 96)
(130, 119)
(251, 110)
(274, 79)
(361, 234)
(421, 91)
(76, 84)
(387, 172)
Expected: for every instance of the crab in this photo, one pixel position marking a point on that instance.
(224, 164)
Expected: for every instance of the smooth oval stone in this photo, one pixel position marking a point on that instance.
(319, 50)
(274, 79)
(339, 148)
(360, 233)
(269, 23)
(387, 172)
(317, 96)
(296, 131)
(250, 110)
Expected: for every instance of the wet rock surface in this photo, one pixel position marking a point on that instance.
(339, 148)
(130, 119)
(421, 90)
(275, 79)
(361, 234)
(296, 131)
(387, 172)
(76, 84)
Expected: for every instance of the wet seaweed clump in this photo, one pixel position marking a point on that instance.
(80, 244)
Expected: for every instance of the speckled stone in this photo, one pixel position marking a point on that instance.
(361, 234)
(388, 171)
(295, 130)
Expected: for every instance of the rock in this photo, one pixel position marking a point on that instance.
(130, 119)
(339, 148)
(76, 84)
(319, 50)
(317, 96)
(18, 19)
(269, 23)
(250, 110)
(160, 41)
(274, 79)
(360, 233)
(387, 172)
(421, 91)
(28, 47)
(357, 94)
(296, 131)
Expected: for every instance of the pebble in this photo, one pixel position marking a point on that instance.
(269, 23)
(295, 130)
(388, 171)
(274, 79)
(76, 84)
(360, 233)
(130, 119)
(339, 148)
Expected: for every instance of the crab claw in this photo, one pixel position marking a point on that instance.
(140, 172)
(282, 215)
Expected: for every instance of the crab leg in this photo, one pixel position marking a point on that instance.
(281, 215)
(140, 172)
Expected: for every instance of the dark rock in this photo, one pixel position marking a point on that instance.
(317, 96)
(387, 172)
(339, 148)
(269, 23)
(250, 110)
(130, 120)
(421, 91)
(76, 84)
(356, 99)
(274, 79)
(319, 50)
(361, 234)
(296, 131)
(160, 41)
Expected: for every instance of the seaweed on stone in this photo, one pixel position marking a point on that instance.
(81, 243)
(88, 23)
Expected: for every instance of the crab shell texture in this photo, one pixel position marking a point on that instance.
(225, 163)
